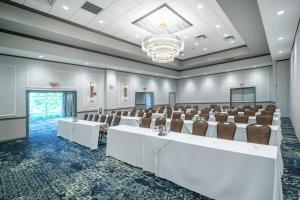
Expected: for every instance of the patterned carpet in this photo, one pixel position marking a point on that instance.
(48, 167)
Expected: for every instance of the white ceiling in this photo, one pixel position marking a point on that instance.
(280, 29)
(117, 16)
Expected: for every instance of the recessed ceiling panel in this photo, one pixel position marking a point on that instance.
(164, 15)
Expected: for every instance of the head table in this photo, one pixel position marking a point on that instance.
(216, 168)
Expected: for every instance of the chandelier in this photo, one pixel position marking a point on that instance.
(162, 48)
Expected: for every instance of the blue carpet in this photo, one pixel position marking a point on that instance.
(48, 167)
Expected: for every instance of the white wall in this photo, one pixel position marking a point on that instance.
(295, 85)
(216, 88)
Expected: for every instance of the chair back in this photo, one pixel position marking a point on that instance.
(270, 109)
(96, 117)
(141, 114)
(169, 113)
(85, 116)
(242, 119)
(253, 109)
(160, 121)
(196, 108)
(221, 117)
(264, 120)
(176, 115)
(117, 120)
(176, 125)
(258, 106)
(200, 128)
(258, 134)
(226, 130)
(225, 107)
(232, 112)
(146, 122)
(119, 113)
(204, 111)
(249, 113)
(175, 108)
(267, 113)
(153, 111)
(109, 120)
(125, 113)
(146, 110)
(132, 113)
(246, 106)
(189, 116)
(194, 112)
(102, 118)
(148, 115)
(240, 109)
(205, 116)
(90, 117)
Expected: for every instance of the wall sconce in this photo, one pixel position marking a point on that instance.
(125, 92)
(92, 91)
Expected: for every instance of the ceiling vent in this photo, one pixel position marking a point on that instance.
(229, 38)
(201, 37)
(46, 2)
(91, 8)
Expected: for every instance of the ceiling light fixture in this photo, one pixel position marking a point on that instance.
(40, 56)
(280, 52)
(196, 43)
(218, 26)
(225, 35)
(101, 21)
(162, 48)
(280, 38)
(280, 12)
(65, 7)
(200, 6)
(204, 49)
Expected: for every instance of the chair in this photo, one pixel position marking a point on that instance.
(175, 108)
(196, 108)
(271, 106)
(200, 128)
(176, 125)
(146, 110)
(161, 110)
(117, 120)
(102, 118)
(258, 134)
(169, 113)
(85, 116)
(253, 109)
(267, 113)
(242, 119)
(240, 109)
(96, 117)
(226, 130)
(264, 120)
(188, 116)
(90, 117)
(188, 107)
(232, 112)
(204, 111)
(225, 107)
(249, 113)
(145, 122)
(270, 109)
(125, 113)
(221, 117)
(153, 111)
(148, 115)
(160, 121)
(119, 113)
(109, 120)
(176, 115)
(132, 113)
(194, 112)
(205, 116)
(246, 106)
(141, 114)
(258, 106)
(212, 106)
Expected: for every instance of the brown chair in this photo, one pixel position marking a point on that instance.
(226, 130)
(212, 106)
(125, 113)
(161, 110)
(175, 108)
(153, 111)
(246, 106)
(205, 116)
(102, 118)
(119, 113)
(188, 107)
(196, 108)
(258, 134)
(96, 117)
(249, 113)
(225, 107)
(160, 121)
(242, 119)
(109, 120)
(200, 128)
(145, 122)
(271, 106)
(117, 120)
(232, 112)
(267, 113)
(85, 116)
(221, 117)
(194, 112)
(270, 109)
(258, 106)
(148, 115)
(204, 111)
(189, 116)
(264, 120)
(141, 114)
(240, 109)
(176, 115)
(90, 117)
(176, 125)
(169, 114)
(132, 113)
(253, 109)
(146, 110)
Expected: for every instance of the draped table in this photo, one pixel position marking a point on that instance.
(85, 133)
(252, 120)
(219, 169)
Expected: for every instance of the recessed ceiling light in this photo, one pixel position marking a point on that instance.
(227, 70)
(280, 38)
(196, 43)
(41, 56)
(218, 26)
(65, 7)
(205, 73)
(137, 36)
(86, 63)
(280, 12)
(204, 49)
(182, 54)
(225, 35)
(280, 52)
(200, 6)
(232, 41)
(101, 21)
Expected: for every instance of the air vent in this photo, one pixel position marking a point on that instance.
(91, 8)
(229, 38)
(201, 37)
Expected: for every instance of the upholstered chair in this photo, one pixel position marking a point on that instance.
(146, 122)
(169, 113)
(270, 109)
(205, 116)
(176, 125)
(204, 111)
(258, 134)
(176, 115)
(132, 113)
(196, 108)
(109, 120)
(232, 112)
(85, 116)
(225, 107)
(161, 110)
(188, 116)
(153, 111)
(258, 106)
(117, 120)
(271, 106)
(90, 117)
(146, 110)
(264, 120)
(253, 109)
(212, 106)
(267, 113)
(160, 121)
(102, 118)
(194, 112)
(119, 113)
(240, 109)
(141, 114)
(148, 115)
(242, 119)
(226, 130)
(221, 117)
(125, 113)
(249, 113)
(246, 106)
(200, 128)
(175, 108)
(96, 117)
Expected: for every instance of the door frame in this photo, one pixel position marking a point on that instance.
(44, 91)
(174, 95)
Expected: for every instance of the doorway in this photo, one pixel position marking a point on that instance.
(172, 98)
(45, 107)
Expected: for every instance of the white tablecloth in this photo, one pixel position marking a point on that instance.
(82, 132)
(219, 169)
(252, 120)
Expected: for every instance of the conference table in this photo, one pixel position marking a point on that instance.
(216, 168)
(85, 133)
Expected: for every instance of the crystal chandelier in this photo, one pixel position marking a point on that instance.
(162, 48)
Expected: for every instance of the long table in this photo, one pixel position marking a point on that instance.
(85, 133)
(219, 169)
